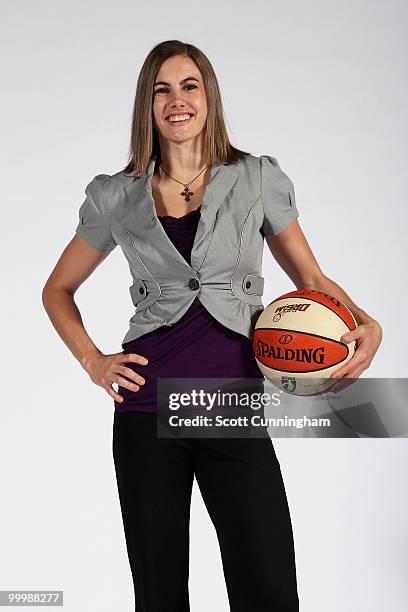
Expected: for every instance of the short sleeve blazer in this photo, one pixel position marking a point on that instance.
(242, 204)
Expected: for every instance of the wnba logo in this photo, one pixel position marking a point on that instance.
(285, 339)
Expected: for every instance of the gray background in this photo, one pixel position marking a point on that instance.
(320, 86)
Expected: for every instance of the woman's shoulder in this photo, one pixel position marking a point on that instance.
(255, 163)
(123, 178)
(121, 185)
(256, 169)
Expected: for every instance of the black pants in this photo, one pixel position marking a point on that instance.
(242, 487)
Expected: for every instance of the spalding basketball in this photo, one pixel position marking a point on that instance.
(296, 341)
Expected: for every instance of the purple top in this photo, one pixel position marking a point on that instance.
(196, 346)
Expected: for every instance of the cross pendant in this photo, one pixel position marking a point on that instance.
(186, 193)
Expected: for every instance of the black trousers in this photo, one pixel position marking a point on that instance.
(241, 484)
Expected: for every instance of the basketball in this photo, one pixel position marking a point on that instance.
(296, 341)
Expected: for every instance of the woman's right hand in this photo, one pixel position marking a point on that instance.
(105, 370)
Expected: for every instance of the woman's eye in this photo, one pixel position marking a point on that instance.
(164, 89)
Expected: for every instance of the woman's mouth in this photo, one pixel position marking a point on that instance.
(181, 119)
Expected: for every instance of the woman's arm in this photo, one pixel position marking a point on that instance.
(294, 255)
(75, 265)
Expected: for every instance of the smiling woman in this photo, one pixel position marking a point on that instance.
(191, 149)
(190, 213)
(180, 103)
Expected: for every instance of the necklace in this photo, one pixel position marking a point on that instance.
(186, 193)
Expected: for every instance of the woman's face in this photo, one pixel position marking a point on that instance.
(179, 89)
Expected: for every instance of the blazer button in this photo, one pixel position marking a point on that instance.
(248, 284)
(193, 284)
(141, 290)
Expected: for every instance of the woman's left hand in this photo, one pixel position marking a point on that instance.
(368, 337)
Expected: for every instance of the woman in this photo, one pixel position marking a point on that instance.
(177, 231)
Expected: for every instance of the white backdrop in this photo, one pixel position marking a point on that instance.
(322, 87)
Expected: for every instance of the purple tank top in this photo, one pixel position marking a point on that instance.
(218, 351)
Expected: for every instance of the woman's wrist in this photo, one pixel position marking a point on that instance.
(87, 358)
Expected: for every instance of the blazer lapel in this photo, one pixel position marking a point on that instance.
(137, 213)
(222, 180)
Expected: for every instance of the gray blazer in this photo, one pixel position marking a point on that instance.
(242, 203)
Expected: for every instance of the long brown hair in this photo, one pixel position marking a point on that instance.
(144, 143)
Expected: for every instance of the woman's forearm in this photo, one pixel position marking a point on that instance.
(66, 318)
(323, 283)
